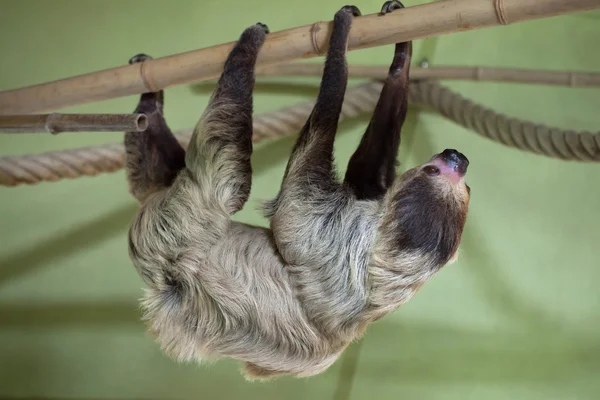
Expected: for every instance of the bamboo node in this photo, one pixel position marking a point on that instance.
(50, 127)
(146, 78)
(142, 122)
(314, 29)
(500, 13)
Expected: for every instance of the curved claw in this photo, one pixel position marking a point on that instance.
(138, 58)
(264, 26)
(390, 6)
(351, 10)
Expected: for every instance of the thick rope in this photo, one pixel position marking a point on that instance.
(94, 160)
(512, 132)
(539, 139)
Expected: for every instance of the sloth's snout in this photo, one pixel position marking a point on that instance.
(451, 164)
(454, 160)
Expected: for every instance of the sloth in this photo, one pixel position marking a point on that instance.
(339, 254)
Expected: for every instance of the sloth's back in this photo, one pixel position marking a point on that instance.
(244, 269)
(234, 299)
(245, 275)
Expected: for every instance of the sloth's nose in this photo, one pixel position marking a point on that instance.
(455, 160)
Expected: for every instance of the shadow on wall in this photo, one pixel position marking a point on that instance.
(62, 245)
(69, 314)
(425, 352)
(430, 353)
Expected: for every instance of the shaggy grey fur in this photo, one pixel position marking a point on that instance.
(338, 256)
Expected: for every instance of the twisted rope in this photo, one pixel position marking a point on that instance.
(512, 132)
(523, 135)
(90, 161)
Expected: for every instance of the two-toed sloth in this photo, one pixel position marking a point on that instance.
(339, 255)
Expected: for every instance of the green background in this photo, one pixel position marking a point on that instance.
(516, 317)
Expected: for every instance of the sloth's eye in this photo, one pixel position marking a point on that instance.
(431, 170)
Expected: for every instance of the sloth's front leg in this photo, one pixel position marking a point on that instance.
(372, 168)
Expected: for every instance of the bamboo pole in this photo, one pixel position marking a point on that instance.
(513, 75)
(57, 123)
(432, 19)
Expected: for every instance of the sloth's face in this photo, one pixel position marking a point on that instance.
(430, 204)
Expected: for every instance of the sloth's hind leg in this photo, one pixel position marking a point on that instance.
(154, 157)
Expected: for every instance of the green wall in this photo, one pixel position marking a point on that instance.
(516, 317)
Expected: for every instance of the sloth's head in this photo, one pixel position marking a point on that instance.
(427, 209)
